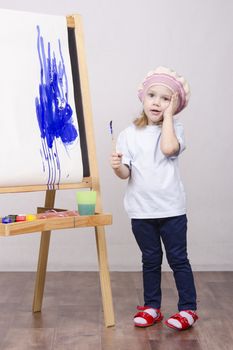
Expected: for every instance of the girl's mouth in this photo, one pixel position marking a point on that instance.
(155, 111)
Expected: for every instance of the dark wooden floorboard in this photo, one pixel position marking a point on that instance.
(72, 315)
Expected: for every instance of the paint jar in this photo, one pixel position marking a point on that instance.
(30, 217)
(86, 201)
(20, 217)
(6, 220)
(12, 217)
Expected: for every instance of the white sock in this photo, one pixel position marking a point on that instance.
(141, 320)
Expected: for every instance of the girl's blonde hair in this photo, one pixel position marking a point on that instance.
(142, 121)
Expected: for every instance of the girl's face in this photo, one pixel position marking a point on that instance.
(156, 100)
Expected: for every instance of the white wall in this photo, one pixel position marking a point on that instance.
(125, 39)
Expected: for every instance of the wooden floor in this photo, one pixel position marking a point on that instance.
(72, 317)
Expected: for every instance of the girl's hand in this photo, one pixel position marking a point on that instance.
(116, 160)
(172, 107)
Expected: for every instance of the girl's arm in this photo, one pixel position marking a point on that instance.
(121, 170)
(169, 143)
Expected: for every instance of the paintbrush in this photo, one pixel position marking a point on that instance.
(113, 138)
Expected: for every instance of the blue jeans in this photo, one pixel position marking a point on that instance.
(172, 231)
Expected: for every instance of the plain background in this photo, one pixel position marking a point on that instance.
(124, 39)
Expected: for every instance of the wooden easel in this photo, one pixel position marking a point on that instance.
(45, 226)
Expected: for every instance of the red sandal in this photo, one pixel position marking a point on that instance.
(146, 313)
(182, 320)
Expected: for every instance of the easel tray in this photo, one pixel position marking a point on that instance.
(57, 223)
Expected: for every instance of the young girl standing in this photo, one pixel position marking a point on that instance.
(147, 155)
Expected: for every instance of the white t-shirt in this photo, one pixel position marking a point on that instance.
(154, 188)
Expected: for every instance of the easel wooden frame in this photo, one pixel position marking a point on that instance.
(92, 182)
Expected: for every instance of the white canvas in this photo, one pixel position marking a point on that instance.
(26, 156)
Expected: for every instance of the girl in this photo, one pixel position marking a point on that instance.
(147, 154)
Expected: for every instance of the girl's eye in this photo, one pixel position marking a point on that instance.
(166, 99)
(151, 95)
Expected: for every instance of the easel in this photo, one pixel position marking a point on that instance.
(45, 226)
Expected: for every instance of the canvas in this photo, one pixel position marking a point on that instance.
(39, 136)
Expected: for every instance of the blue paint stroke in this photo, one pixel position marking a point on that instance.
(54, 114)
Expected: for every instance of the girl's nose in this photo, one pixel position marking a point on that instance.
(156, 101)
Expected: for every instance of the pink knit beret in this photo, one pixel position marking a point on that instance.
(169, 78)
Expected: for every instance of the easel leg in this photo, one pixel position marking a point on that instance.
(104, 277)
(43, 257)
(41, 271)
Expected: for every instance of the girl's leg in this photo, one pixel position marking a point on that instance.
(146, 232)
(173, 232)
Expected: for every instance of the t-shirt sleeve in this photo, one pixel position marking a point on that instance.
(122, 147)
(179, 130)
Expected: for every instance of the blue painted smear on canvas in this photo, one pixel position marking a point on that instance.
(54, 114)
